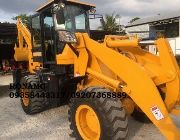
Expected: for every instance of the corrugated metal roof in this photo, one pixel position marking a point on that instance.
(8, 30)
(160, 17)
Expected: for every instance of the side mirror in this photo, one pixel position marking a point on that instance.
(58, 9)
(60, 17)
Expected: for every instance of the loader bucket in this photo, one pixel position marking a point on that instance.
(21, 54)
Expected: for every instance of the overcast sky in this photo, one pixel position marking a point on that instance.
(126, 8)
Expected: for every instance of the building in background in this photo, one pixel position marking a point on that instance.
(8, 37)
(166, 24)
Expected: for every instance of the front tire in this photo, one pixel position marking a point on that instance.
(32, 105)
(99, 118)
(140, 116)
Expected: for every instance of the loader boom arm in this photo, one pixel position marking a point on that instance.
(23, 52)
(23, 32)
(142, 89)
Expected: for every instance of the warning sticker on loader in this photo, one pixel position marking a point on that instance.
(157, 113)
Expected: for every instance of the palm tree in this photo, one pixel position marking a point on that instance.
(109, 24)
(134, 19)
(25, 19)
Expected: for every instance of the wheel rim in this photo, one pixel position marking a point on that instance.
(24, 98)
(87, 123)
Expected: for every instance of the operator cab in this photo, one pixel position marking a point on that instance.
(55, 24)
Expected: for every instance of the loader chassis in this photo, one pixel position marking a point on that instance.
(61, 55)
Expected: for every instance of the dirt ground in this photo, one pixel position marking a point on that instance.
(52, 124)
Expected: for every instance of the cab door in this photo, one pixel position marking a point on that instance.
(48, 35)
(36, 38)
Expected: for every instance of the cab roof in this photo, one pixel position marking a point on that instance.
(50, 2)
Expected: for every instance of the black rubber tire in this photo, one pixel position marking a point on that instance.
(140, 116)
(111, 114)
(36, 104)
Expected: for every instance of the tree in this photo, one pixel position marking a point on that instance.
(134, 19)
(25, 19)
(109, 24)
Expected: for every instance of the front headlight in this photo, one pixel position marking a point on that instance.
(67, 37)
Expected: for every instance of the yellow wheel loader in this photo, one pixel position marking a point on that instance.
(103, 82)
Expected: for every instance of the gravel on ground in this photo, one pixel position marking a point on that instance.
(52, 124)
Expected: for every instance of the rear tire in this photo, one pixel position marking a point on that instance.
(33, 105)
(140, 116)
(110, 113)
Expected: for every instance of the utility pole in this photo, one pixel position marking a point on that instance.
(119, 20)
